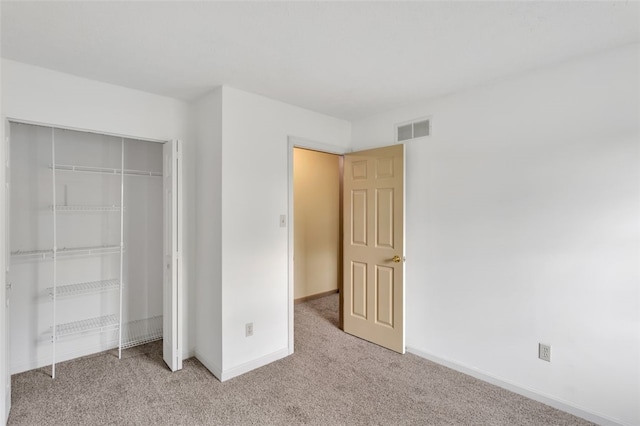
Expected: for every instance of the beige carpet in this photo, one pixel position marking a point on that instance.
(332, 379)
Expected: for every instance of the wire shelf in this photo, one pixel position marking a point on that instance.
(31, 255)
(134, 333)
(85, 288)
(105, 170)
(71, 252)
(83, 208)
(139, 332)
(92, 325)
(65, 252)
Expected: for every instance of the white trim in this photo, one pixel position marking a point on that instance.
(253, 364)
(516, 388)
(179, 261)
(404, 246)
(297, 142)
(172, 253)
(5, 377)
(317, 146)
(80, 129)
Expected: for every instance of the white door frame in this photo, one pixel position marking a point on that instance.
(5, 376)
(297, 142)
(172, 254)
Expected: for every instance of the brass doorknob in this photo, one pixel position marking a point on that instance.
(396, 258)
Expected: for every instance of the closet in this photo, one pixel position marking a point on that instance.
(92, 224)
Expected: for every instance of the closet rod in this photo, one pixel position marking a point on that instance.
(105, 170)
(64, 252)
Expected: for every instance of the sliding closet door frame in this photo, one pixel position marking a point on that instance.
(4, 291)
(5, 286)
(172, 252)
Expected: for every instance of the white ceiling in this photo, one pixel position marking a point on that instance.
(348, 60)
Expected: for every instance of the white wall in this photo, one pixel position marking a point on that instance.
(254, 246)
(522, 227)
(207, 114)
(44, 96)
(316, 194)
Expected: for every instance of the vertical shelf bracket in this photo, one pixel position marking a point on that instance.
(121, 244)
(55, 255)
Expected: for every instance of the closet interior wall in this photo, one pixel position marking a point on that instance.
(87, 217)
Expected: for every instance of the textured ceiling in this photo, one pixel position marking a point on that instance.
(348, 60)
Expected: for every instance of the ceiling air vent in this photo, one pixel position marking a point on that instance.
(415, 129)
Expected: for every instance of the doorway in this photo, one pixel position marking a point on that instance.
(329, 249)
(374, 207)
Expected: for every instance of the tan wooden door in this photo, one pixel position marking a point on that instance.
(373, 302)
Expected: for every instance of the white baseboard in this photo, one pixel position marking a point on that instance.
(252, 365)
(513, 387)
(210, 365)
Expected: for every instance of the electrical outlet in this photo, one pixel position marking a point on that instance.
(544, 352)
(248, 329)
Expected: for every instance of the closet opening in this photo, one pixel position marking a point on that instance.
(94, 245)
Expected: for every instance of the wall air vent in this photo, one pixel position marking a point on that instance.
(414, 129)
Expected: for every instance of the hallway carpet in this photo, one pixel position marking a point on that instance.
(332, 379)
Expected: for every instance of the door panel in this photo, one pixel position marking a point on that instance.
(384, 217)
(359, 218)
(373, 304)
(359, 290)
(384, 296)
(172, 250)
